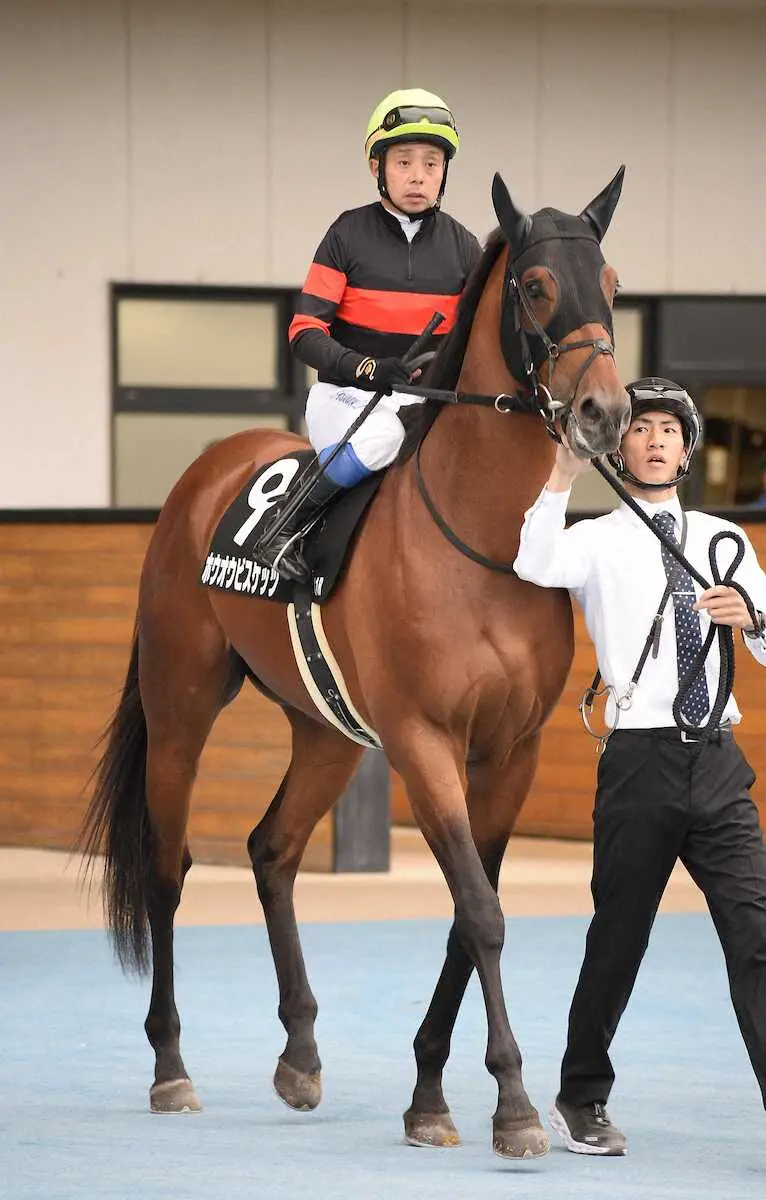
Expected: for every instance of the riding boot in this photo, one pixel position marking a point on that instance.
(291, 561)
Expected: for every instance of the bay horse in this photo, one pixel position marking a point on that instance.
(451, 659)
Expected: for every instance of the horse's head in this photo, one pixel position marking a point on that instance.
(557, 329)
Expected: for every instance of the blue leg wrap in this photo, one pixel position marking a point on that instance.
(346, 470)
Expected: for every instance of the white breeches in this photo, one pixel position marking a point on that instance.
(331, 410)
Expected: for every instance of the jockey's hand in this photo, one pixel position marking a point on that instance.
(382, 374)
(566, 468)
(724, 606)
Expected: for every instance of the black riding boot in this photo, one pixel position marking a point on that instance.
(292, 563)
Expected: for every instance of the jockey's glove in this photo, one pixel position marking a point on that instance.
(382, 374)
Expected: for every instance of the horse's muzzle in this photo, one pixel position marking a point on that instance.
(595, 429)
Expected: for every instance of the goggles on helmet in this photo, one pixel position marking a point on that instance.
(642, 394)
(415, 115)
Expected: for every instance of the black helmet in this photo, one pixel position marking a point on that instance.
(662, 395)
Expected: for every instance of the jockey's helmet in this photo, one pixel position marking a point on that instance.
(662, 395)
(411, 115)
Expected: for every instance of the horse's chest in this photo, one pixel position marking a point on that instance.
(527, 662)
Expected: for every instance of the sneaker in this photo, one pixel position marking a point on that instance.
(586, 1129)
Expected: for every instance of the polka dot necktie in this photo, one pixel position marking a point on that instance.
(688, 631)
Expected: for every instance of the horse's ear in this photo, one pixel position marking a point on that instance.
(514, 223)
(600, 211)
(598, 214)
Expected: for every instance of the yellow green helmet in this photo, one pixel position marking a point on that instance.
(411, 115)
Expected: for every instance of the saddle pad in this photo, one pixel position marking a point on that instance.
(230, 566)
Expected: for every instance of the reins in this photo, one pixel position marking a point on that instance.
(534, 398)
(502, 403)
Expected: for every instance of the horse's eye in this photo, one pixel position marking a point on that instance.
(534, 289)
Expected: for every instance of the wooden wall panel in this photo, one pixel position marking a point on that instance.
(67, 603)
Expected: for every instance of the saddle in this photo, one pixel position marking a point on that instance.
(230, 566)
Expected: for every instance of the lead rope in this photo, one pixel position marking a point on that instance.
(723, 632)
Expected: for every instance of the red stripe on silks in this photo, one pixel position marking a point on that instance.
(395, 312)
(299, 323)
(325, 282)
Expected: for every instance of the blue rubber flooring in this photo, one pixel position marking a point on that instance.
(75, 1069)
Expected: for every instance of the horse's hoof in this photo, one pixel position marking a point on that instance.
(522, 1141)
(298, 1090)
(174, 1096)
(430, 1129)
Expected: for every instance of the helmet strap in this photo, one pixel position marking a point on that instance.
(624, 473)
(381, 157)
(444, 181)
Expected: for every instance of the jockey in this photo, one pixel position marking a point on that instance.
(377, 277)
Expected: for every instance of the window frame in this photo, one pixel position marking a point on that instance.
(287, 399)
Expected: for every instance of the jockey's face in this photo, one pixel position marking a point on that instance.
(414, 172)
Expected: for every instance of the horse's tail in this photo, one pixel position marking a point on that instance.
(117, 823)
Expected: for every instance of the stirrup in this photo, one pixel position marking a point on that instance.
(284, 554)
(289, 561)
(283, 551)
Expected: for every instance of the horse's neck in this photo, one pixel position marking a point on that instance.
(484, 468)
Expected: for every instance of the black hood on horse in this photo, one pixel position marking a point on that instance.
(564, 246)
(581, 294)
(566, 252)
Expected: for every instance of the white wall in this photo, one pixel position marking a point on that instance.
(64, 212)
(214, 140)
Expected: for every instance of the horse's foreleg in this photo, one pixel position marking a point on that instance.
(479, 928)
(322, 763)
(427, 1122)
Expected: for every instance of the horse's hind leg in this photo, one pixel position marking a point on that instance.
(183, 689)
(322, 762)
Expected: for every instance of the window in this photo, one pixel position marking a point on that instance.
(734, 448)
(192, 366)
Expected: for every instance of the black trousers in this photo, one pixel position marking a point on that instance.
(660, 799)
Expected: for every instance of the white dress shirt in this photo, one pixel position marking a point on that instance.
(613, 567)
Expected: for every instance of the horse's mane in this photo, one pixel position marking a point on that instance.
(444, 370)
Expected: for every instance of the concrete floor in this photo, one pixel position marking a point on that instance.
(42, 889)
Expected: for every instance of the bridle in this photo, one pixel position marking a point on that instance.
(533, 397)
(516, 306)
